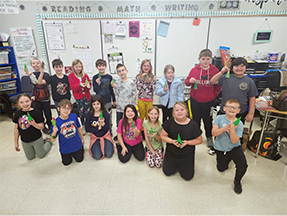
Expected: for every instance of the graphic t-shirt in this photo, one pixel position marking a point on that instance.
(156, 130)
(129, 136)
(28, 133)
(69, 138)
(60, 87)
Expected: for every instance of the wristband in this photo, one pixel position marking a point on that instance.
(54, 137)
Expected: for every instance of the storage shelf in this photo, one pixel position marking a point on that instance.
(5, 80)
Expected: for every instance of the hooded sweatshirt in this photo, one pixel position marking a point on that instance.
(205, 91)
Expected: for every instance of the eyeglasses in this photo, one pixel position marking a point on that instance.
(231, 107)
(66, 108)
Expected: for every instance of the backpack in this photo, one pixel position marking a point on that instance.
(269, 146)
(41, 92)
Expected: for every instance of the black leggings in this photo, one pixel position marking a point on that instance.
(78, 156)
(183, 164)
(137, 151)
(166, 113)
(238, 157)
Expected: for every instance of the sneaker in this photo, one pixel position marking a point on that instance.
(84, 131)
(115, 138)
(209, 142)
(211, 151)
(237, 187)
(46, 131)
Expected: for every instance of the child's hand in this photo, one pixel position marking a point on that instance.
(153, 151)
(102, 121)
(114, 85)
(28, 72)
(233, 127)
(124, 151)
(88, 85)
(224, 70)
(32, 122)
(192, 80)
(227, 127)
(55, 130)
(17, 147)
(98, 81)
(184, 143)
(83, 141)
(165, 88)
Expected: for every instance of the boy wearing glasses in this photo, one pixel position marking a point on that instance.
(227, 142)
(68, 128)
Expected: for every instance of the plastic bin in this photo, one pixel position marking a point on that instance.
(8, 85)
(4, 57)
(5, 72)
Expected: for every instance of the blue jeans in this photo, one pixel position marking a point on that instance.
(96, 149)
(56, 106)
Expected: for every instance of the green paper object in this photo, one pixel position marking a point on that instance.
(100, 75)
(53, 122)
(146, 76)
(133, 124)
(25, 68)
(165, 84)
(179, 139)
(227, 74)
(236, 122)
(112, 82)
(151, 131)
(195, 85)
(86, 81)
(101, 115)
(43, 65)
(29, 117)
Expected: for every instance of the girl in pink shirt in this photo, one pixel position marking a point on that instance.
(129, 135)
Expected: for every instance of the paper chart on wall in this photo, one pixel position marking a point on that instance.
(55, 36)
(24, 43)
(120, 29)
(108, 28)
(146, 28)
(147, 45)
(114, 59)
(85, 55)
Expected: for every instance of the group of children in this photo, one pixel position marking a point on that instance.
(134, 124)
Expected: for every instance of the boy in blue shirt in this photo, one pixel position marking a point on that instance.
(102, 86)
(68, 128)
(227, 143)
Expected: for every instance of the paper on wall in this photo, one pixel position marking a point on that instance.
(120, 29)
(85, 55)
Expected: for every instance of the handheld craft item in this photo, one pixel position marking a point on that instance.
(195, 86)
(53, 122)
(146, 76)
(151, 131)
(43, 65)
(236, 122)
(132, 123)
(165, 84)
(29, 117)
(112, 82)
(25, 68)
(86, 81)
(101, 115)
(228, 74)
(179, 141)
(100, 75)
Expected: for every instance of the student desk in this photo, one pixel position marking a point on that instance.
(269, 112)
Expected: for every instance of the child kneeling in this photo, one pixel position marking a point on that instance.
(227, 143)
(68, 128)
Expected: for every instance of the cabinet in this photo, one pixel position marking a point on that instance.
(9, 75)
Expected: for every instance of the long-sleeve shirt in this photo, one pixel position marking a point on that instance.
(78, 91)
(104, 89)
(92, 125)
(126, 93)
(145, 89)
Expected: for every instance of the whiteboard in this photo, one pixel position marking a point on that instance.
(86, 33)
(131, 47)
(238, 34)
(182, 45)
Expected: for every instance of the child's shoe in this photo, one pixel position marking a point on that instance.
(46, 131)
(209, 142)
(211, 151)
(237, 187)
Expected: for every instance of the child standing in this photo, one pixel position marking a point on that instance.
(125, 90)
(145, 82)
(102, 86)
(101, 143)
(181, 134)
(237, 86)
(170, 90)
(129, 135)
(227, 143)
(68, 128)
(59, 83)
(80, 85)
(41, 94)
(203, 92)
(28, 125)
(152, 127)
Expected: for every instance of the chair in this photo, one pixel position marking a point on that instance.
(26, 87)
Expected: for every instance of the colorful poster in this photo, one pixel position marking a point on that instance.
(134, 28)
(163, 28)
(147, 45)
